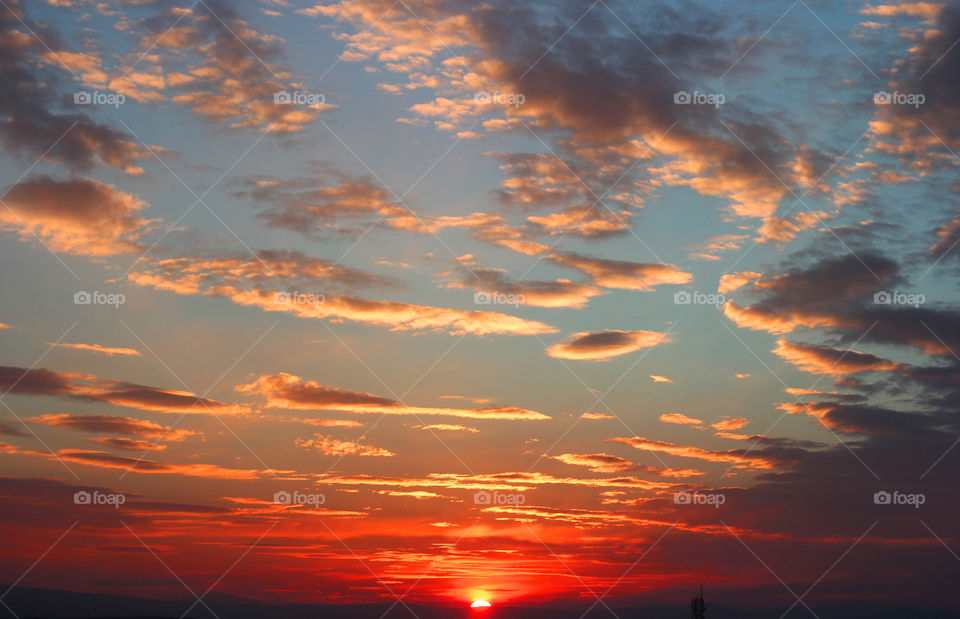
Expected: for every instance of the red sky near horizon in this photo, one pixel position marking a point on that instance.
(442, 301)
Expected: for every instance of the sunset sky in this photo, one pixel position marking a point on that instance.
(440, 300)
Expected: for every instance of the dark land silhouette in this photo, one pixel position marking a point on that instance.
(37, 603)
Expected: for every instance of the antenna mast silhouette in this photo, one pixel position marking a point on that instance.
(697, 607)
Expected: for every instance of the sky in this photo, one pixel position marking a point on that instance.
(440, 301)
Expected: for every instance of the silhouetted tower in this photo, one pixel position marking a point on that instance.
(697, 607)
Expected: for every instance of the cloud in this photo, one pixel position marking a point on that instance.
(330, 446)
(622, 274)
(609, 112)
(814, 296)
(604, 345)
(717, 244)
(448, 427)
(597, 463)
(948, 237)
(912, 9)
(10, 429)
(264, 270)
(97, 424)
(332, 423)
(31, 65)
(106, 350)
(785, 229)
(223, 68)
(41, 381)
(82, 216)
(294, 393)
(660, 379)
(606, 463)
(730, 424)
(130, 444)
(681, 419)
(416, 494)
(331, 202)
(515, 481)
(733, 456)
(104, 460)
(545, 181)
(838, 294)
(243, 283)
(827, 360)
(916, 134)
(733, 281)
(596, 416)
(555, 293)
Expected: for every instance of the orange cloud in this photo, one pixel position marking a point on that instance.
(596, 416)
(621, 274)
(329, 446)
(730, 424)
(448, 427)
(104, 460)
(106, 350)
(556, 293)
(130, 444)
(83, 216)
(513, 481)
(717, 244)
(912, 9)
(733, 456)
(598, 463)
(294, 393)
(40, 381)
(112, 425)
(233, 78)
(312, 206)
(732, 281)
(604, 345)
(681, 419)
(785, 229)
(182, 278)
(761, 319)
(827, 360)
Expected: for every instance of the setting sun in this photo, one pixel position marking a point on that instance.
(480, 605)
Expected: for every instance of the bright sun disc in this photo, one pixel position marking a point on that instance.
(480, 604)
